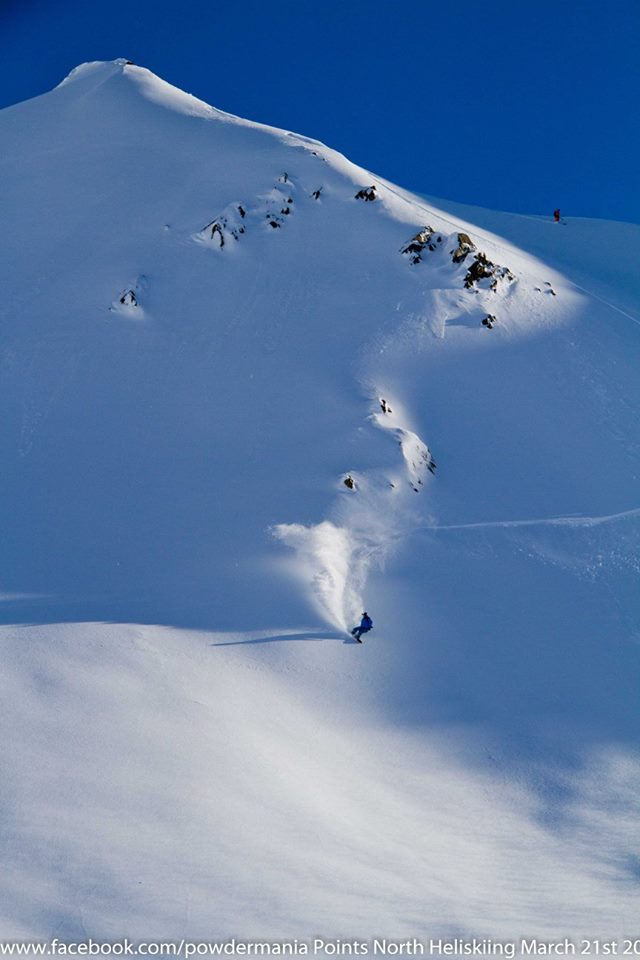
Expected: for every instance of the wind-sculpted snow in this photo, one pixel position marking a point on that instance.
(417, 456)
(230, 363)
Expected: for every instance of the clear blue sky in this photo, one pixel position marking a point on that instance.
(509, 104)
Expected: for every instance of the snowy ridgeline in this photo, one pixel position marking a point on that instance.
(251, 390)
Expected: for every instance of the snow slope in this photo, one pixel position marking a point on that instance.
(597, 254)
(204, 333)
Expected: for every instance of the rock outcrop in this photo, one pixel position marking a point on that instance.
(484, 269)
(228, 226)
(367, 193)
(464, 248)
(425, 239)
(128, 299)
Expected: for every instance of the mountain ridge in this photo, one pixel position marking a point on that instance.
(250, 390)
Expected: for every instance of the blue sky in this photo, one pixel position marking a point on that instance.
(508, 104)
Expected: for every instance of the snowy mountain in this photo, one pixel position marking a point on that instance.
(249, 390)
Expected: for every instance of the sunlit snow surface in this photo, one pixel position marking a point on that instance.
(192, 746)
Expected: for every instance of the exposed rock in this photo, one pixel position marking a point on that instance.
(278, 205)
(217, 233)
(232, 222)
(127, 303)
(479, 270)
(223, 228)
(385, 406)
(417, 457)
(349, 482)
(501, 273)
(423, 240)
(367, 193)
(489, 321)
(316, 193)
(464, 248)
(483, 269)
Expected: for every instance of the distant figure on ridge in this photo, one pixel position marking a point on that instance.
(365, 625)
(556, 215)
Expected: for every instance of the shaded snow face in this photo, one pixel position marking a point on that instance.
(214, 332)
(166, 784)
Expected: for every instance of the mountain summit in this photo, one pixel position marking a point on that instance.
(250, 390)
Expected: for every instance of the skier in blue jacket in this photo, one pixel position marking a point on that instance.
(365, 625)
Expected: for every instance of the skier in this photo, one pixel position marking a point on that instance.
(365, 625)
(556, 215)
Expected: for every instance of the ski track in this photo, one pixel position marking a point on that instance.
(570, 521)
(603, 301)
